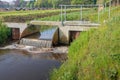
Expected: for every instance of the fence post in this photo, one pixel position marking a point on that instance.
(64, 12)
(105, 7)
(109, 8)
(98, 13)
(81, 12)
(61, 14)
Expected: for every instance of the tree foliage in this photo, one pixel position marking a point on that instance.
(56, 3)
(52, 3)
(82, 1)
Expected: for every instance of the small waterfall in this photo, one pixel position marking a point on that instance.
(44, 41)
(36, 43)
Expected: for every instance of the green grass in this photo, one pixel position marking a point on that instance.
(24, 16)
(9, 13)
(104, 15)
(95, 55)
(89, 15)
(70, 16)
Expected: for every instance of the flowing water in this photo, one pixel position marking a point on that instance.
(36, 42)
(29, 63)
(20, 65)
(41, 39)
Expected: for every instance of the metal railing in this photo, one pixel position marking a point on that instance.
(80, 7)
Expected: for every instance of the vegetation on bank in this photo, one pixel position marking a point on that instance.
(87, 15)
(104, 15)
(5, 33)
(23, 16)
(71, 15)
(95, 55)
(56, 3)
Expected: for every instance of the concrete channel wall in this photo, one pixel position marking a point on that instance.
(64, 32)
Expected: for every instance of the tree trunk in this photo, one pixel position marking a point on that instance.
(113, 3)
(117, 2)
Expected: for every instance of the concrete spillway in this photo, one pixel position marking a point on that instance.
(45, 39)
(36, 43)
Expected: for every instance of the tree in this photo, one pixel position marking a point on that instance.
(17, 3)
(38, 3)
(43, 3)
(30, 4)
(53, 2)
(66, 2)
(95, 1)
(21, 3)
(56, 3)
(82, 1)
(118, 2)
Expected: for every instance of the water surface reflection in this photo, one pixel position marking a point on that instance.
(20, 65)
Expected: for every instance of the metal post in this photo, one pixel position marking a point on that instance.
(81, 12)
(98, 13)
(105, 7)
(109, 8)
(61, 15)
(65, 13)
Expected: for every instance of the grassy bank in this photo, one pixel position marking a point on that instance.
(88, 14)
(23, 16)
(71, 15)
(95, 55)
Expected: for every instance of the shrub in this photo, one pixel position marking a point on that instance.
(4, 33)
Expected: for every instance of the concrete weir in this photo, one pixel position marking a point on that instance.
(63, 34)
(46, 39)
(36, 43)
(66, 27)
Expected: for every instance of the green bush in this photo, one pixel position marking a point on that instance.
(4, 33)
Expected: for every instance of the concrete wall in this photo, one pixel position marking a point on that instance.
(55, 38)
(64, 32)
(30, 30)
